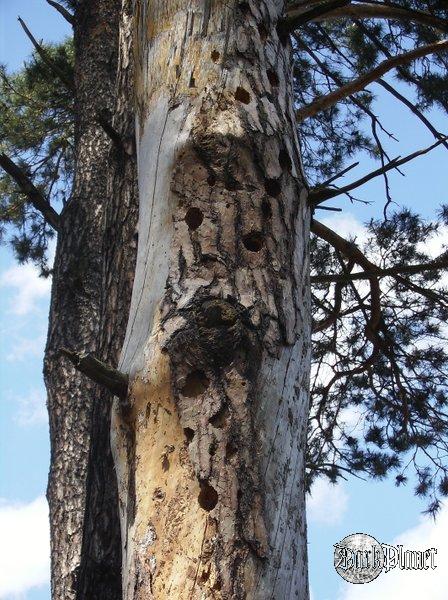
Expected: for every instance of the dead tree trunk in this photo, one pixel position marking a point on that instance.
(209, 445)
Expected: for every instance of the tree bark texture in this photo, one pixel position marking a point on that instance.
(209, 445)
(76, 294)
(100, 571)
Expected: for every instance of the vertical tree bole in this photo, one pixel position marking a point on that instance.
(209, 445)
(74, 319)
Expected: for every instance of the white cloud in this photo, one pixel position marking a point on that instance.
(31, 408)
(24, 547)
(28, 288)
(412, 585)
(327, 503)
(348, 226)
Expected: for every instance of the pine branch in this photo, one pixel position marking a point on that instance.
(353, 253)
(63, 11)
(361, 82)
(295, 15)
(340, 174)
(112, 133)
(385, 85)
(439, 263)
(106, 376)
(47, 59)
(403, 72)
(35, 197)
(385, 11)
(349, 249)
(316, 196)
(102, 120)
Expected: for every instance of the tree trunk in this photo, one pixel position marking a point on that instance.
(77, 280)
(100, 570)
(209, 445)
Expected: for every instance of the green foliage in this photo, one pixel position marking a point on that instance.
(36, 131)
(378, 402)
(379, 405)
(333, 53)
(379, 399)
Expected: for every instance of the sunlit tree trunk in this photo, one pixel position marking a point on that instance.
(75, 314)
(209, 444)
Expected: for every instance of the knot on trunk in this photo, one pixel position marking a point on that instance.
(214, 330)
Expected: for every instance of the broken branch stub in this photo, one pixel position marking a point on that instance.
(102, 374)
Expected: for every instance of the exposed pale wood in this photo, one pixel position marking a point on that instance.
(209, 454)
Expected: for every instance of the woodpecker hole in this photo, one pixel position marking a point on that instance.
(195, 384)
(211, 179)
(194, 218)
(208, 497)
(273, 78)
(285, 160)
(219, 314)
(253, 241)
(231, 449)
(266, 209)
(189, 434)
(262, 31)
(273, 187)
(242, 95)
(220, 419)
(215, 55)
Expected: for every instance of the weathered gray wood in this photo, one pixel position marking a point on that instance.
(209, 452)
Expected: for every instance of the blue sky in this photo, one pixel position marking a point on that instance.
(377, 508)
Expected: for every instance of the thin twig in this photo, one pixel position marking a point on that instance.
(439, 263)
(360, 83)
(320, 195)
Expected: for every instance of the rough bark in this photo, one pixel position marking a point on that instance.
(209, 445)
(75, 303)
(100, 571)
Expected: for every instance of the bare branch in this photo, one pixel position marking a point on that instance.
(46, 58)
(106, 376)
(317, 195)
(352, 252)
(296, 12)
(340, 174)
(63, 11)
(113, 134)
(329, 208)
(360, 83)
(384, 11)
(387, 86)
(299, 16)
(439, 263)
(35, 197)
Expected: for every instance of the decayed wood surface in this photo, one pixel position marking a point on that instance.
(209, 444)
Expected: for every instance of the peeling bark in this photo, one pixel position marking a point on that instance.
(209, 446)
